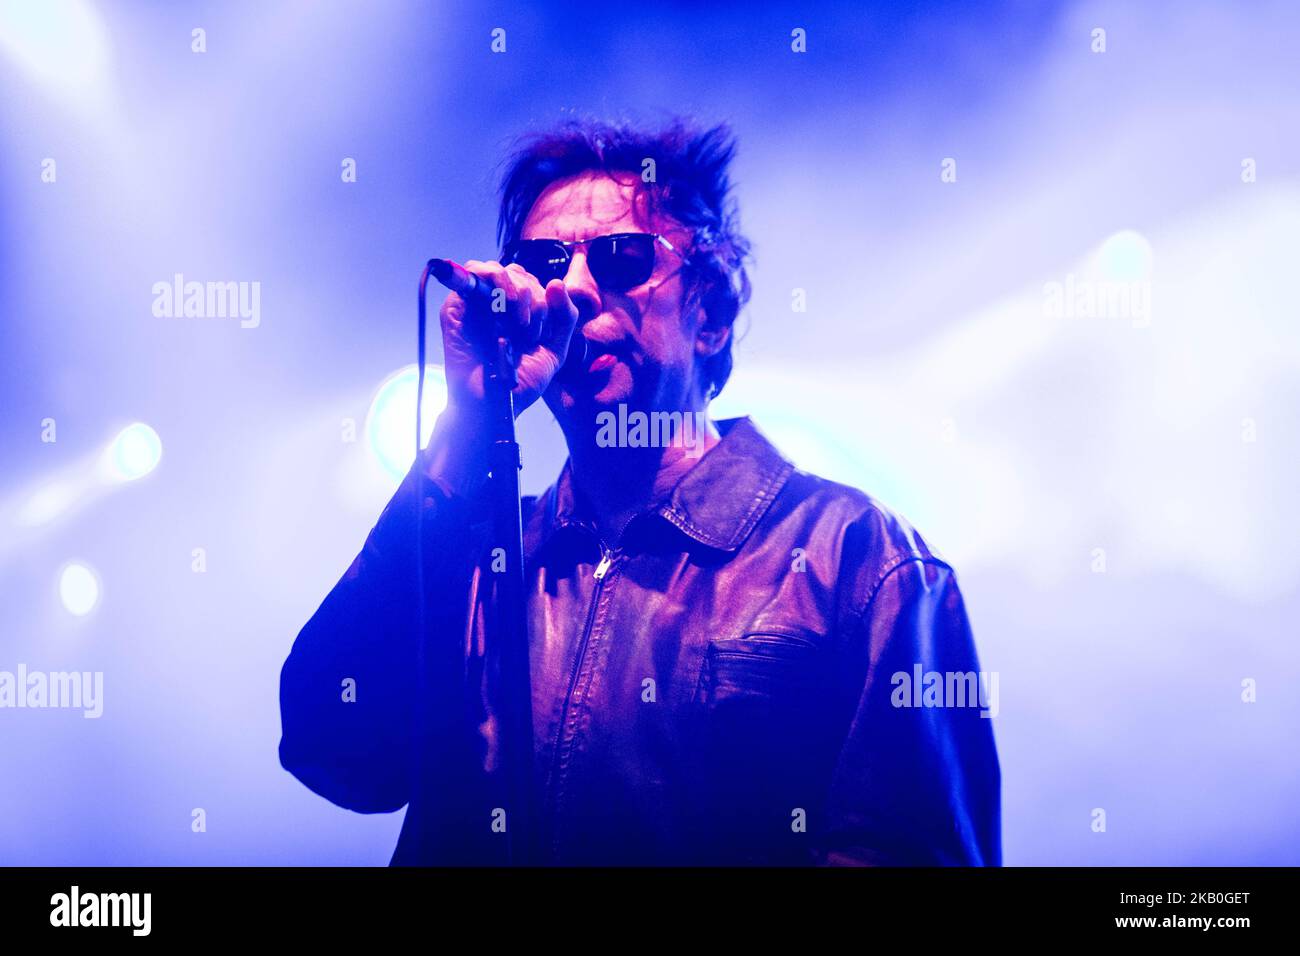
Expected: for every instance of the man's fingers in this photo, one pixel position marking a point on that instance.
(561, 318)
(510, 304)
(518, 306)
(525, 282)
(529, 288)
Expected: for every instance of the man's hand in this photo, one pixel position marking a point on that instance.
(540, 323)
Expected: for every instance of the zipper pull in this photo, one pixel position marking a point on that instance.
(606, 559)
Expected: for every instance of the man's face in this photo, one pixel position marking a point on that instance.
(642, 349)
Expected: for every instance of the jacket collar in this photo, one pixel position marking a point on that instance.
(717, 503)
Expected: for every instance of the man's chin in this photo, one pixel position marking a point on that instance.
(591, 404)
(582, 405)
(597, 391)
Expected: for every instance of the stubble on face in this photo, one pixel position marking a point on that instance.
(650, 344)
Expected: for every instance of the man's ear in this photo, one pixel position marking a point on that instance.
(712, 336)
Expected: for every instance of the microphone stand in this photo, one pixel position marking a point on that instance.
(506, 617)
(506, 610)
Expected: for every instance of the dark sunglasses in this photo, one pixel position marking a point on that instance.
(617, 262)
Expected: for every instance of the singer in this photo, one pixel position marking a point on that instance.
(714, 635)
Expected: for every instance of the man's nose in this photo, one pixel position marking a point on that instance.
(582, 288)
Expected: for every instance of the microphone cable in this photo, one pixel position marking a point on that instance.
(422, 677)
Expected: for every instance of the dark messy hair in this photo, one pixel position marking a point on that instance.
(691, 184)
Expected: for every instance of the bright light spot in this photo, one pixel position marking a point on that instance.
(134, 453)
(62, 45)
(811, 448)
(78, 589)
(1125, 257)
(47, 504)
(390, 424)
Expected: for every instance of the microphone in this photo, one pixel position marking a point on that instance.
(477, 291)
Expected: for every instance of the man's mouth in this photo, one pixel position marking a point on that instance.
(602, 361)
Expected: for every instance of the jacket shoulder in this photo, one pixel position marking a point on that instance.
(849, 507)
(871, 538)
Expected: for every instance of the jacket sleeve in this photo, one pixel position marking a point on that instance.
(348, 690)
(917, 781)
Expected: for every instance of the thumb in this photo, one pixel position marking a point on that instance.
(561, 319)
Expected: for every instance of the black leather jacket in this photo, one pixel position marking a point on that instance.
(717, 688)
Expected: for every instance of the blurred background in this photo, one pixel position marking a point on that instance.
(1030, 284)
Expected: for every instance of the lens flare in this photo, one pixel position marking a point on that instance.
(78, 589)
(390, 423)
(135, 452)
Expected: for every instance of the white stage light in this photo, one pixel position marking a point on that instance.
(1125, 256)
(78, 589)
(390, 423)
(63, 45)
(48, 502)
(134, 453)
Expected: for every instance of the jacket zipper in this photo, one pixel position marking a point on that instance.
(607, 557)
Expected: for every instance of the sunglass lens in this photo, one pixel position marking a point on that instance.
(544, 260)
(622, 262)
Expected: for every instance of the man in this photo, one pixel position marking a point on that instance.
(716, 639)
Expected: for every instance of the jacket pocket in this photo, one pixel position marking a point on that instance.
(760, 740)
(775, 666)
